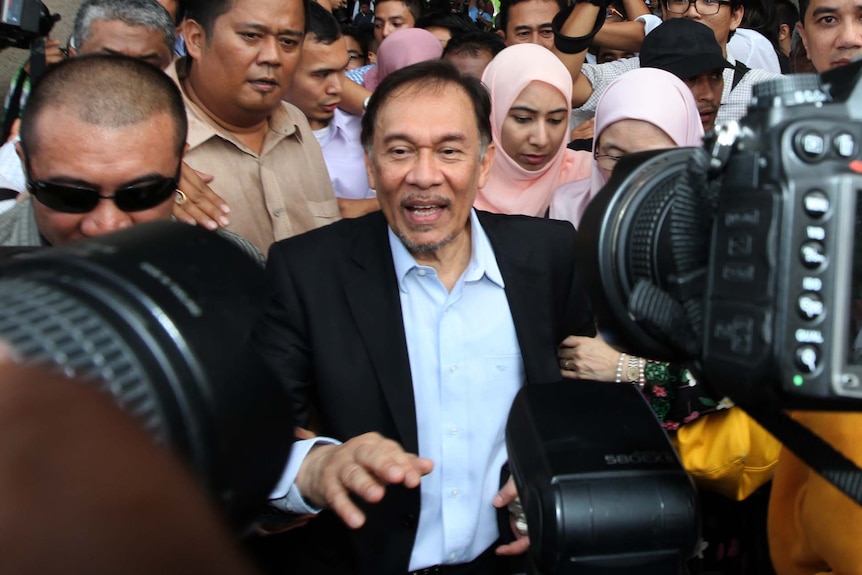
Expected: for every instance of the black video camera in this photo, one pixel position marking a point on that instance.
(744, 258)
(23, 21)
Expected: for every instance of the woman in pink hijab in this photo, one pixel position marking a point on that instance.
(628, 121)
(531, 94)
(401, 49)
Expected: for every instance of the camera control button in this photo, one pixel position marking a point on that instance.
(816, 204)
(811, 254)
(807, 358)
(810, 306)
(845, 145)
(810, 146)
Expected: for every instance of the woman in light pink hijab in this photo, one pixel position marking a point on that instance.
(531, 94)
(401, 49)
(627, 121)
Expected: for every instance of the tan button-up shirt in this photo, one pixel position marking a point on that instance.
(282, 192)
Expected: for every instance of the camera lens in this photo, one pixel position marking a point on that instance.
(158, 316)
(637, 229)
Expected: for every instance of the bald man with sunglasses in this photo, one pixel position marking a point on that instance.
(102, 141)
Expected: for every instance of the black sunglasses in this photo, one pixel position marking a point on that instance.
(79, 200)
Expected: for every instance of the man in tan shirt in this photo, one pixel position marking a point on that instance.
(264, 159)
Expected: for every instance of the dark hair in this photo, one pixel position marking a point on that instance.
(456, 25)
(506, 6)
(473, 43)
(431, 75)
(416, 7)
(363, 34)
(105, 90)
(321, 24)
(761, 16)
(788, 13)
(206, 12)
(181, 12)
(145, 13)
(803, 8)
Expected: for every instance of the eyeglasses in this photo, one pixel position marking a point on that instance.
(80, 200)
(607, 161)
(703, 7)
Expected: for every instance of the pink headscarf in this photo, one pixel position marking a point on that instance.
(511, 189)
(401, 49)
(647, 94)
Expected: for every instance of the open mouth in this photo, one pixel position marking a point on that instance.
(426, 210)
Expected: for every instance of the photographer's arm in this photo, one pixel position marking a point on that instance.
(580, 23)
(627, 35)
(353, 97)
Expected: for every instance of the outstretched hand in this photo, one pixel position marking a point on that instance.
(364, 465)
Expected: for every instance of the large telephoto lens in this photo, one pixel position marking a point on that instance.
(159, 317)
(646, 226)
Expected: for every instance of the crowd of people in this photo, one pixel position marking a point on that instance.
(412, 176)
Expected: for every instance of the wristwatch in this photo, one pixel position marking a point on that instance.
(632, 371)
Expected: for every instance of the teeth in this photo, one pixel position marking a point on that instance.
(424, 211)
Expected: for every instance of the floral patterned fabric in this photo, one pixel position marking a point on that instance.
(676, 396)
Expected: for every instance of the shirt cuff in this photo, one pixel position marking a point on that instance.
(651, 22)
(286, 495)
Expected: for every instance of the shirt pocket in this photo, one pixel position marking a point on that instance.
(504, 368)
(324, 211)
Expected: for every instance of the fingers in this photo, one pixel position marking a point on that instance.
(517, 547)
(506, 495)
(365, 465)
(199, 204)
(570, 341)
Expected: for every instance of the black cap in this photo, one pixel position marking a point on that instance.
(683, 47)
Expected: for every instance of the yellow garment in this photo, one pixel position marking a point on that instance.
(727, 452)
(813, 527)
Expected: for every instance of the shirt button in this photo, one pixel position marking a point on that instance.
(453, 556)
(455, 493)
(453, 430)
(421, 272)
(453, 368)
(277, 213)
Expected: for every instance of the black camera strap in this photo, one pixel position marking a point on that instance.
(816, 452)
(739, 72)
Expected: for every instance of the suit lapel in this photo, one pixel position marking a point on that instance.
(372, 294)
(526, 291)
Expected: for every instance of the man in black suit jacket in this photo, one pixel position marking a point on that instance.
(345, 334)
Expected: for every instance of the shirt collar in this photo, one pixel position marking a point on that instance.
(482, 262)
(345, 126)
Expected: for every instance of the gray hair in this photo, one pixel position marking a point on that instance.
(147, 13)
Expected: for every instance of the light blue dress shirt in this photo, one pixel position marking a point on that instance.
(466, 366)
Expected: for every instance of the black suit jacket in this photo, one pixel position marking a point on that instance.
(333, 333)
